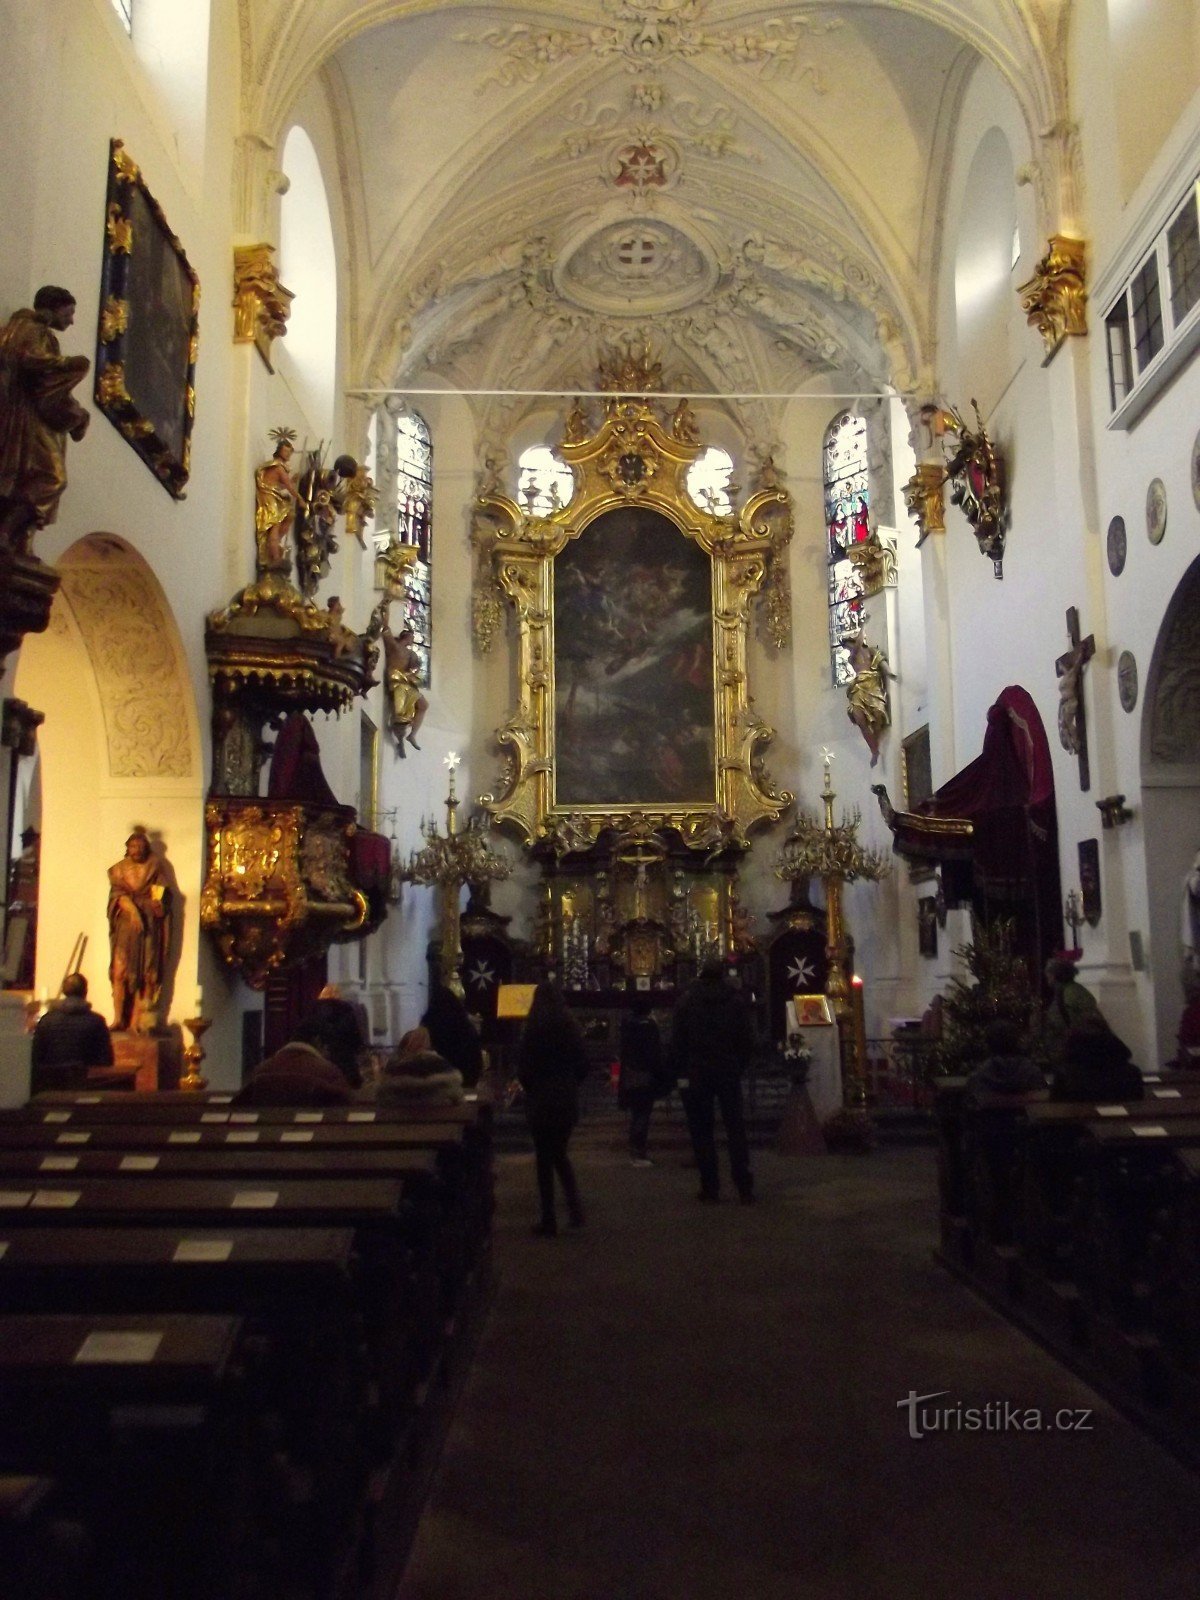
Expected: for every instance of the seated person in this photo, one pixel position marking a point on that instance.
(342, 1031)
(1096, 1067)
(414, 1074)
(69, 1039)
(302, 1073)
(1007, 1069)
(1187, 1049)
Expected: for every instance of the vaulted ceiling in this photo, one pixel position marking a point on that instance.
(757, 187)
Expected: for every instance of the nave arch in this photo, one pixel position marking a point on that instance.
(1170, 799)
(120, 745)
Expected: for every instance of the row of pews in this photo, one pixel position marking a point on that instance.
(228, 1339)
(1083, 1223)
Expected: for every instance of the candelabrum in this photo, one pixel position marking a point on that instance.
(831, 852)
(193, 1054)
(449, 860)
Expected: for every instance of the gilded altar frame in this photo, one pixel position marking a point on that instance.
(633, 459)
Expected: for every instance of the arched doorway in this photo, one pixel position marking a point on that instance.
(1170, 753)
(119, 746)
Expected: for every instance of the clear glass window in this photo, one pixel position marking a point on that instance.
(1120, 367)
(1183, 261)
(1146, 305)
(709, 480)
(544, 484)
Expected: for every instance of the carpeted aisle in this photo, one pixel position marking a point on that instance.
(689, 1402)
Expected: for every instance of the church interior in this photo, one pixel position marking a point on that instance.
(733, 499)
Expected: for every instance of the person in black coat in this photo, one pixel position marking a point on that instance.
(643, 1074)
(336, 1020)
(69, 1039)
(712, 1038)
(1097, 1066)
(551, 1064)
(453, 1033)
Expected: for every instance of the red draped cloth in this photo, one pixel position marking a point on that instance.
(1007, 793)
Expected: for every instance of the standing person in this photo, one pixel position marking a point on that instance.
(69, 1039)
(711, 1039)
(551, 1064)
(643, 1071)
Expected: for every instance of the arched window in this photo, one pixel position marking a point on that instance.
(544, 484)
(414, 525)
(844, 472)
(709, 479)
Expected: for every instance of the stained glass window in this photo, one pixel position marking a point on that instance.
(414, 525)
(844, 472)
(124, 9)
(544, 484)
(708, 481)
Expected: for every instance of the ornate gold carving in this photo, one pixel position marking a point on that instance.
(114, 319)
(119, 230)
(924, 498)
(876, 563)
(520, 550)
(126, 166)
(110, 386)
(1055, 298)
(277, 888)
(261, 303)
(975, 474)
(631, 369)
(127, 632)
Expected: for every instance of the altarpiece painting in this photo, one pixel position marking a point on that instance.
(633, 608)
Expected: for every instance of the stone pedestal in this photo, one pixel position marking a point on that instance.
(153, 1056)
(15, 1046)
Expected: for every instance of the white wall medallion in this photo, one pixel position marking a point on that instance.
(1156, 510)
(635, 266)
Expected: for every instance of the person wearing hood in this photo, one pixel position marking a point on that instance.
(69, 1039)
(303, 1072)
(1097, 1066)
(1007, 1069)
(712, 1038)
(416, 1075)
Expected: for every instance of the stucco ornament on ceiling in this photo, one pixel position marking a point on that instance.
(635, 266)
(645, 36)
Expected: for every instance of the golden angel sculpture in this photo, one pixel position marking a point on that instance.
(867, 700)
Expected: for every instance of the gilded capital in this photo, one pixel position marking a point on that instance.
(923, 495)
(261, 304)
(1055, 298)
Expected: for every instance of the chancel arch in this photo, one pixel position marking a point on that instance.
(120, 746)
(1170, 752)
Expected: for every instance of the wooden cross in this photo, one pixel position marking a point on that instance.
(1072, 724)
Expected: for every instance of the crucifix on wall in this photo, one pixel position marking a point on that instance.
(1072, 726)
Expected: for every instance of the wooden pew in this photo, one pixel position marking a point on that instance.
(140, 1421)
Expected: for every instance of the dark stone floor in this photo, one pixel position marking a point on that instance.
(689, 1402)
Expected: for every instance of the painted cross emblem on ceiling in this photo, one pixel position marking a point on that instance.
(481, 975)
(637, 253)
(802, 973)
(641, 167)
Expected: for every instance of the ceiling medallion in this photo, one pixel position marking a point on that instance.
(636, 265)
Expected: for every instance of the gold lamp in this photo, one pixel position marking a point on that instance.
(831, 852)
(448, 860)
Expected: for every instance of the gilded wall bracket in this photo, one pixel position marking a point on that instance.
(1055, 298)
